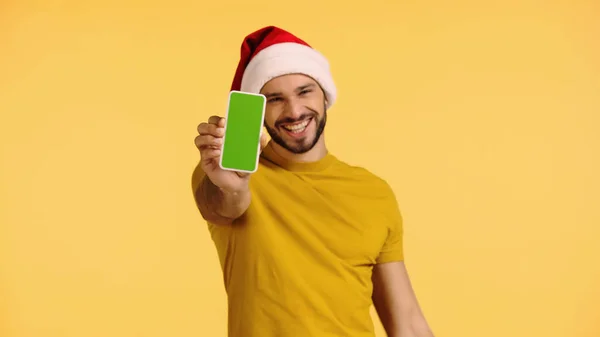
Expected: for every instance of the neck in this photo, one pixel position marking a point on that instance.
(318, 152)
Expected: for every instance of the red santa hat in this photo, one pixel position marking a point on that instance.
(271, 52)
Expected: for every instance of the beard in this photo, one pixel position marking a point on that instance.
(303, 145)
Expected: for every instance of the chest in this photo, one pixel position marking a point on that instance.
(330, 220)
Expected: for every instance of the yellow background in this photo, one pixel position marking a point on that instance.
(483, 116)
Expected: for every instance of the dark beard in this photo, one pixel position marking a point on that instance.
(299, 148)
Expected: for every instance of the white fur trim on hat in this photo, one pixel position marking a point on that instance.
(288, 58)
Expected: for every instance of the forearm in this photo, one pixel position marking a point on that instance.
(409, 325)
(219, 206)
(413, 326)
(396, 303)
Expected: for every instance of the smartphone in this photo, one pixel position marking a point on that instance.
(243, 127)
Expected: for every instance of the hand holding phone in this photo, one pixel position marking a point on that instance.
(210, 142)
(243, 130)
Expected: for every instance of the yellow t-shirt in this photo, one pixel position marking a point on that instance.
(299, 262)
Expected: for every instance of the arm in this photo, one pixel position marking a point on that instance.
(216, 205)
(396, 303)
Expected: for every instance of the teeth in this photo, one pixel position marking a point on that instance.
(297, 128)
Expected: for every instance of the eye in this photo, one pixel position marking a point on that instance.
(274, 99)
(304, 92)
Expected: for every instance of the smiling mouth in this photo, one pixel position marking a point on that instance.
(297, 127)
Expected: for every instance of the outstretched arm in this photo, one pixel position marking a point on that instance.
(216, 205)
(396, 303)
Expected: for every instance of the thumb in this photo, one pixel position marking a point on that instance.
(263, 141)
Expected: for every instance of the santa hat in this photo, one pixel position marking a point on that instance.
(271, 52)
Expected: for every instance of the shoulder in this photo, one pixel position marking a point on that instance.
(366, 178)
(374, 192)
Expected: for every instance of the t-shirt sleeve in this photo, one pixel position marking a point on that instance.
(393, 248)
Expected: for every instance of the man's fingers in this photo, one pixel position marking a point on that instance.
(209, 154)
(215, 120)
(202, 141)
(211, 129)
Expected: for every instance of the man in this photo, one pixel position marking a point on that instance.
(306, 243)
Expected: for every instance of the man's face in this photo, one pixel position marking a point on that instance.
(295, 114)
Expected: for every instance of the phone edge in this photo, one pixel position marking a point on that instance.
(262, 121)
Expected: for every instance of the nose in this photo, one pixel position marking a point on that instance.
(293, 108)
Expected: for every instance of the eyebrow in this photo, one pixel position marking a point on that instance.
(300, 88)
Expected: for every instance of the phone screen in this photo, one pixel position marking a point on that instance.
(243, 125)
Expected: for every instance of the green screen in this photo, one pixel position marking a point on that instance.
(244, 123)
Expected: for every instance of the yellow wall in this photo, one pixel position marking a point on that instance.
(484, 118)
